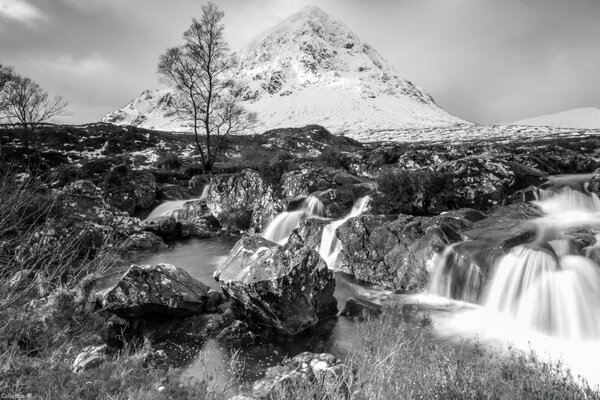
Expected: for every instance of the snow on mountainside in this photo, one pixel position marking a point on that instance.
(581, 118)
(312, 69)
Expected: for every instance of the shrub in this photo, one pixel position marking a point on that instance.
(413, 192)
(169, 161)
(331, 157)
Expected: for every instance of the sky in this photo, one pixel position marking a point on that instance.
(487, 61)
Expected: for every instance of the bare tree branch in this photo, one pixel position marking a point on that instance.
(199, 72)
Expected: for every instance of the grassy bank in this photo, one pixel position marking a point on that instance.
(395, 359)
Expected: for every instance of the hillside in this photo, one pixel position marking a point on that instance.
(311, 69)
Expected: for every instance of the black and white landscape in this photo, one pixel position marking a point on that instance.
(293, 218)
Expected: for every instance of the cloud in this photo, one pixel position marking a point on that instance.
(19, 10)
(93, 65)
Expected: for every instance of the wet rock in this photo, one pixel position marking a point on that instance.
(309, 232)
(149, 290)
(288, 288)
(145, 241)
(90, 357)
(359, 308)
(594, 184)
(395, 253)
(242, 201)
(238, 334)
(306, 368)
(306, 181)
(165, 227)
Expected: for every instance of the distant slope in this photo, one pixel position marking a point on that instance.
(312, 69)
(578, 118)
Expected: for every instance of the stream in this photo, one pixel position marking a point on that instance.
(544, 299)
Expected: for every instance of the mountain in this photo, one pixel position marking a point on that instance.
(578, 118)
(312, 69)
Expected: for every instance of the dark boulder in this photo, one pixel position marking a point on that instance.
(395, 253)
(242, 201)
(288, 288)
(150, 290)
(360, 308)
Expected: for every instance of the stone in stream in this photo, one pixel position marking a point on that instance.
(149, 290)
(359, 308)
(288, 288)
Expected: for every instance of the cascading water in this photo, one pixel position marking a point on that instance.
(455, 277)
(330, 246)
(167, 208)
(547, 286)
(280, 228)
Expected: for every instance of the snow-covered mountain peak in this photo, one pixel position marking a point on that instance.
(312, 69)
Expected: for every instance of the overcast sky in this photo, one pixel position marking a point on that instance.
(487, 61)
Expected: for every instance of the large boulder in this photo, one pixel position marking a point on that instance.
(150, 290)
(130, 191)
(242, 201)
(483, 181)
(396, 252)
(288, 288)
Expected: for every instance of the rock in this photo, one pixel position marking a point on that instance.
(165, 227)
(309, 232)
(130, 191)
(215, 298)
(288, 288)
(395, 253)
(484, 181)
(242, 201)
(306, 181)
(149, 290)
(321, 369)
(359, 308)
(594, 185)
(237, 334)
(145, 241)
(90, 357)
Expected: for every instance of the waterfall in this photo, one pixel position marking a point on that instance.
(455, 276)
(330, 246)
(280, 228)
(167, 208)
(546, 285)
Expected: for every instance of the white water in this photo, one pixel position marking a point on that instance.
(281, 227)
(543, 296)
(330, 246)
(169, 207)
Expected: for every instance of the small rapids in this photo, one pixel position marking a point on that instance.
(280, 228)
(170, 207)
(543, 295)
(330, 247)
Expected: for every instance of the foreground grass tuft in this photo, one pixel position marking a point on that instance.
(395, 359)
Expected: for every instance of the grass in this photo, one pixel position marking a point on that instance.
(395, 359)
(48, 316)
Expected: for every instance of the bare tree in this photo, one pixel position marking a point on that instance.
(200, 73)
(6, 75)
(27, 105)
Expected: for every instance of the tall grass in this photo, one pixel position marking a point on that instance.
(394, 359)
